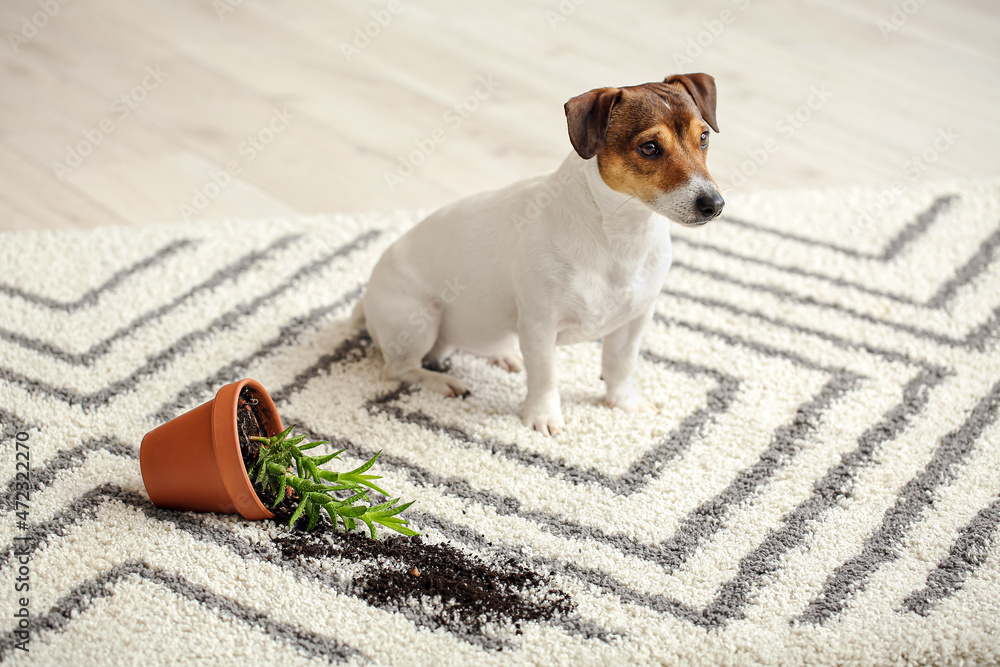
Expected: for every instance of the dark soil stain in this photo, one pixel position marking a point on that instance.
(436, 585)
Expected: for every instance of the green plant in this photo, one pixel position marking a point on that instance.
(314, 487)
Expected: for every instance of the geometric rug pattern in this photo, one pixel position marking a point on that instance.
(821, 484)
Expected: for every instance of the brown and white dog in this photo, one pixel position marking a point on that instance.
(575, 255)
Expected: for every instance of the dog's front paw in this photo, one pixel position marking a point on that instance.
(545, 416)
(630, 401)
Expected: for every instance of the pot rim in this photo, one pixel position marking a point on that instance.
(226, 444)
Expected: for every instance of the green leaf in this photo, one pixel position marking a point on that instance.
(320, 498)
(365, 466)
(355, 511)
(331, 512)
(316, 444)
(353, 499)
(311, 468)
(281, 492)
(313, 513)
(365, 482)
(403, 530)
(395, 510)
(320, 460)
(371, 526)
(298, 512)
(375, 509)
(397, 525)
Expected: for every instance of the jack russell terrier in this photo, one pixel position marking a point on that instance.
(573, 256)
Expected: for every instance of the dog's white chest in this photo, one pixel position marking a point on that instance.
(601, 301)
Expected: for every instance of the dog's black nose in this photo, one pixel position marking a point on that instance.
(710, 204)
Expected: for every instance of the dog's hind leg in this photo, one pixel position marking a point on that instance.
(405, 341)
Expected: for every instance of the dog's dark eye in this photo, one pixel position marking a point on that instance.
(704, 139)
(649, 149)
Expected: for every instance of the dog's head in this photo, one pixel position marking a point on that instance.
(651, 142)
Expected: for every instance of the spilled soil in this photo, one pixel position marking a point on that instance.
(435, 585)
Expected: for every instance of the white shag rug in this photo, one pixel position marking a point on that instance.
(820, 486)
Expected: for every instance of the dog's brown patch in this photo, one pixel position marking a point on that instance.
(660, 112)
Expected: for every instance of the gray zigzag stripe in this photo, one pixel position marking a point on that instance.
(835, 485)
(978, 263)
(288, 334)
(351, 349)
(83, 596)
(760, 348)
(87, 506)
(709, 518)
(812, 301)
(966, 555)
(974, 267)
(631, 481)
(185, 343)
(697, 527)
(756, 476)
(843, 343)
(636, 477)
(103, 347)
(76, 510)
(90, 298)
(734, 595)
(66, 459)
(965, 275)
(976, 340)
(10, 424)
(893, 248)
(915, 497)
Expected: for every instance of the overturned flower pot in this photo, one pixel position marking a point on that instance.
(233, 455)
(194, 461)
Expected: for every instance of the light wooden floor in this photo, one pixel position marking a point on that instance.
(356, 117)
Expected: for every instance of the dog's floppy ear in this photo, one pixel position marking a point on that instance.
(587, 116)
(702, 88)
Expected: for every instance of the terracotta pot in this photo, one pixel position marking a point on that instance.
(194, 462)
